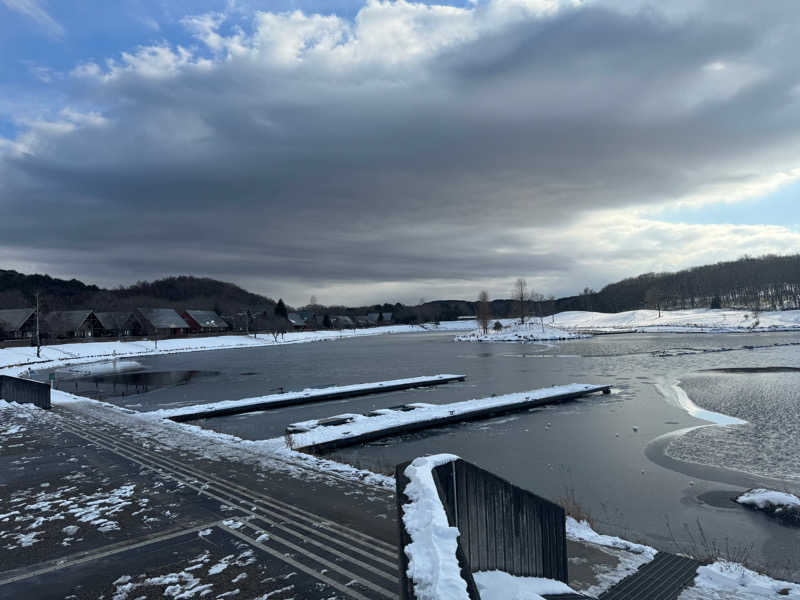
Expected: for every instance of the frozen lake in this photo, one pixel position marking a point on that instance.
(618, 457)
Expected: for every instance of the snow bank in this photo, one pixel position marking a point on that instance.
(583, 532)
(313, 432)
(15, 361)
(307, 394)
(782, 505)
(762, 498)
(516, 332)
(695, 320)
(433, 567)
(733, 581)
(498, 585)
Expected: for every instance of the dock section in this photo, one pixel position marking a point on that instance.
(233, 407)
(322, 435)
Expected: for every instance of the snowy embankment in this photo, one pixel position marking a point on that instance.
(15, 361)
(781, 505)
(303, 396)
(513, 331)
(702, 320)
(386, 421)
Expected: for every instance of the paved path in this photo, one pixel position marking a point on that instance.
(302, 553)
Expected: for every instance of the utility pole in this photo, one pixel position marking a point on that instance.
(38, 339)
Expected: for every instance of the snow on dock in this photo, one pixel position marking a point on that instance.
(232, 407)
(320, 435)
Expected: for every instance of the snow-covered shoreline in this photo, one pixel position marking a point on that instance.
(698, 320)
(513, 331)
(19, 360)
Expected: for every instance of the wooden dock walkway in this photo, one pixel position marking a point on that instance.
(324, 436)
(235, 407)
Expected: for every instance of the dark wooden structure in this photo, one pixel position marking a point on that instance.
(73, 324)
(204, 321)
(17, 323)
(502, 527)
(24, 391)
(161, 322)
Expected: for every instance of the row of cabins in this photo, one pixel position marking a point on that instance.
(21, 323)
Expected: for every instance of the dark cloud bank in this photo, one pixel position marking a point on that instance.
(311, 155)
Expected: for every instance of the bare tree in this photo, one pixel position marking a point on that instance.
(484, 311)
(520, 295)
(537, 300)
(654, 298)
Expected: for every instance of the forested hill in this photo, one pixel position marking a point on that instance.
(18, 290)
(766, 283)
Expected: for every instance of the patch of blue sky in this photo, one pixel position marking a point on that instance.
(779, 207)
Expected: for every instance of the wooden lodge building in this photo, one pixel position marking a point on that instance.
(17, 323)
(161, 321)
(204, 321)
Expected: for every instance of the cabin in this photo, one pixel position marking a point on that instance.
(119, 324)
(362, 321)
(204, 321)
(73, 324)
(161, 321)
(297, 321)
(379, 318)
(342, 322)
(17, 323)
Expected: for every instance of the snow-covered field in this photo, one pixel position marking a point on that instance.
(679, 321)
(513, 331)
(15, 361)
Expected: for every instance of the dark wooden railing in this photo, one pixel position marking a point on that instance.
(501, 526)
(24, 391)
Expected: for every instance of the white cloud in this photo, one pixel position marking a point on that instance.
(415, 146)
(34, 10)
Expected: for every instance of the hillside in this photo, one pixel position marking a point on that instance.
(18, 290)
(766, 283)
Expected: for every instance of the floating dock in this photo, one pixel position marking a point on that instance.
(233, 407)
(322, 435)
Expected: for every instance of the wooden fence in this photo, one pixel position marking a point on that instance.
(501, 526)
(24, 391)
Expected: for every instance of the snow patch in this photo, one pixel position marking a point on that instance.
(725, 580)
(498, 585)
(769, 499)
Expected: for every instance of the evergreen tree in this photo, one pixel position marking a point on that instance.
(280, 310)
(380, 317)
(326, 322)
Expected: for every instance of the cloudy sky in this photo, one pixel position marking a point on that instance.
(370, 151)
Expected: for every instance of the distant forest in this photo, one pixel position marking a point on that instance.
(19, 291)
(766, 283)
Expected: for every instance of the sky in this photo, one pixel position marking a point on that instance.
(377, 151)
